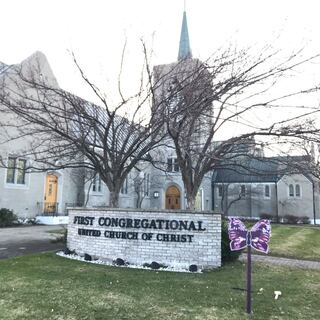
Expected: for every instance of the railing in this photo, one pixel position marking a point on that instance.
(52, 208)
(48, 208)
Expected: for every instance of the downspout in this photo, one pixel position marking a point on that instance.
(314, 204)
(277, 209)
(212, 193)
(250, 200)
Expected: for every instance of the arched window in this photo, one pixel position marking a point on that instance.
(96, 183)
(298, 191)
(220, 191)
(291, 190)
(267, 191)
(243, 190)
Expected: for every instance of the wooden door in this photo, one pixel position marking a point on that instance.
(173, 198)
(50, 198)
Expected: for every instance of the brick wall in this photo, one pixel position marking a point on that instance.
(168, 237)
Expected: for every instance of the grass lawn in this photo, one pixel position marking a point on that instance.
(296, 241)
(46, 286)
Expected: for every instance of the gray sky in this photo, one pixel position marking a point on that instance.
(96, 31)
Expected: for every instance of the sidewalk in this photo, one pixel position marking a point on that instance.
(303, 264)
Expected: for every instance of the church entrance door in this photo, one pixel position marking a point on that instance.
(50, 197)
(173, 198)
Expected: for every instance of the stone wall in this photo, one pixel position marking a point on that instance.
(170, 237)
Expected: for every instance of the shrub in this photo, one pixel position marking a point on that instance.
(154, 265)
(67, 251)
(32, 221)
(226, 254)
(87, 257)
(193, 268)
(305, 220)
(267, 216)
(119, 262)
(291, 219)
(7, 218)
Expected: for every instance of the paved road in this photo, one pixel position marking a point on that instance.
(25, 240)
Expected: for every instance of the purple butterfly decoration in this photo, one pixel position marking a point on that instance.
(258, 237)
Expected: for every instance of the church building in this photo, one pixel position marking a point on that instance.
(49, 193)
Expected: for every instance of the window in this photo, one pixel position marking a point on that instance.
(243, 190)
(11, 170)
(146, 184)
(16, 171)
(220, 191)
(172, 165)
(124, 188)
(96, 184)
(21, 171)
(169, 164)
(291, 190)
(267, 191)
(295, 191)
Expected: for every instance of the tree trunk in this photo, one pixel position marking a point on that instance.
(114, 199)
(191, 202)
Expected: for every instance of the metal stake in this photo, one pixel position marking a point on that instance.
(249, 279)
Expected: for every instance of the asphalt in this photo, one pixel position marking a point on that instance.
(24, 240)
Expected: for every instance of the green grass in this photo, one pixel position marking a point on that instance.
(46, 286)
(296, 241)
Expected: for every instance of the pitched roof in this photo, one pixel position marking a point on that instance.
(255, 170)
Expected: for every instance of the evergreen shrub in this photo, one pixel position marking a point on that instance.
(226, 254)
(291, 219)
(7, 218)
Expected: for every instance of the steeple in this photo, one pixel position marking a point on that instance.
(184, 45)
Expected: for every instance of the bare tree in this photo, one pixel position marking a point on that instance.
(65, 131)
(215, 109)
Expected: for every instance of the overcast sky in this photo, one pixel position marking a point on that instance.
(96, 31)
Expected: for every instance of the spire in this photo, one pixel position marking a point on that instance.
(184, 45)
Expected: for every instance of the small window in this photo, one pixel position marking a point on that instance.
(147, 184)
(124, 188)
(176, 165)
(169, 165)
(267, 191)
(16, 171)
(11, 170)
(298, 191)
(172, 165)
(291, 190)
(21, 171)
(242, 190)
(220, 191)
(96, 184)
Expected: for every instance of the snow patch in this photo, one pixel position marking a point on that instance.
(172, 268)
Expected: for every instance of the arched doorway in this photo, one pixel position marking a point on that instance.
(173, 198)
